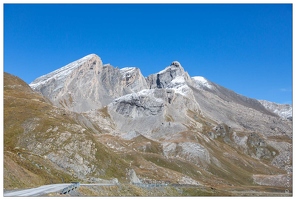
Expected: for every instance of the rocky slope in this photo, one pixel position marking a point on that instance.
(165, 128)
(283, 110)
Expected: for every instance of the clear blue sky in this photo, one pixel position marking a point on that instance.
(246, 48)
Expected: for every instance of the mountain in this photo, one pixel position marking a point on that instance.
(283, 110)
(166, 128)
(87, 84)
(44, 144)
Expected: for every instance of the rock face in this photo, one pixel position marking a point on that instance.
(163, 111)
(133, 177)
(164, 78)
(87, 84)
(133, 79)
(170, 117)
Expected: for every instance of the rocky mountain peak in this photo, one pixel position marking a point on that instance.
(72, 86)
(87, 84)
(169, 77)
(175, 68)
(58, 75)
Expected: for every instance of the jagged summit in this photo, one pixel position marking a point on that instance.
(174, 66)
(172, 75)
(176, 63)
(87, 84)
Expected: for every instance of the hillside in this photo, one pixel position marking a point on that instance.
(89, 121)
(44, 144)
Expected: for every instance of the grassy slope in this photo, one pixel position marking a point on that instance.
(27, 117)
(20, 104)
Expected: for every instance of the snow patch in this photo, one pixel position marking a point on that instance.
(173, 66)
(283, 110)
(143, 93)
(164, 70)
(183, 90)
(201, 82)
(106, 65)
(59, 73)
(126, 71)
(178, 84)
(178, 80)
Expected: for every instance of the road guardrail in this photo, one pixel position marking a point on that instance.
(70, 188)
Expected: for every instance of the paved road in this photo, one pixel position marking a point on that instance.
(45, 189)
(37, 191)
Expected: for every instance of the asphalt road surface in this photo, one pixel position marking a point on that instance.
(33, 192)
(37, 191)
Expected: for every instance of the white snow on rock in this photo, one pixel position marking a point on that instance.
(106, 65)
(178, 80)
(179, 85)
(201, 82)
(283, 110)
(126, 71)
(174, 65)
(164, 70)
(59, 73)
(143, 93)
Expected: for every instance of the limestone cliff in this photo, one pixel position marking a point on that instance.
(87, 84)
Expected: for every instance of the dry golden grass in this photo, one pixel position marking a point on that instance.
(28, 115)
(24, 108)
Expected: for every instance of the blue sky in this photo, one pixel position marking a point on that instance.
(246, 48)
